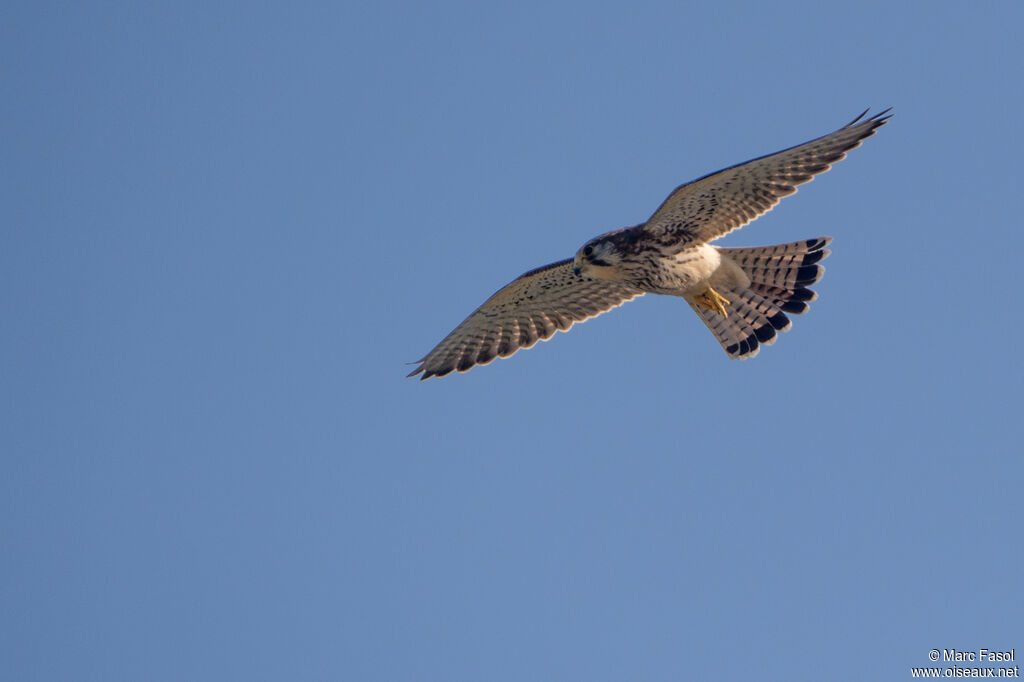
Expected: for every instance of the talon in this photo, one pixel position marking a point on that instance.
(712, 300)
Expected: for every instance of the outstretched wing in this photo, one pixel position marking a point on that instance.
(716, 204)
(531, 308)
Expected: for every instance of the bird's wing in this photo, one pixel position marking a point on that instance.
(531, 308)
(716, 204)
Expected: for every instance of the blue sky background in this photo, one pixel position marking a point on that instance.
(227, 227)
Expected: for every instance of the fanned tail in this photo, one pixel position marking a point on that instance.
(779, 279)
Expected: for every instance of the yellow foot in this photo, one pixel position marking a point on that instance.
(712, 300)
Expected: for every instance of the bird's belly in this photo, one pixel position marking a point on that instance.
(687, 272)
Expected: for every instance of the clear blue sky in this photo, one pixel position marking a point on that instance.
(227, 227)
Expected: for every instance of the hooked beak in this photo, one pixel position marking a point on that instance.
(577, 265)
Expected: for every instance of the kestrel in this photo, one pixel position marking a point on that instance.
(743, 295)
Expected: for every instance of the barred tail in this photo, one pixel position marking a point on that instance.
(779, 277)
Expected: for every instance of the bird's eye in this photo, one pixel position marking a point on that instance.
(587, 250)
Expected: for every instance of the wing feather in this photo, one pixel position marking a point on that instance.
(530, 309)
(721, 202)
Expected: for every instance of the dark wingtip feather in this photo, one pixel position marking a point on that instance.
(881, 116)
(814, 257)
(859, 117)
(779, 321)
(802, 294)
(794, 307)
(744, 348)
(751, 344)
(765, 333)
(809, 274)
(878, 119)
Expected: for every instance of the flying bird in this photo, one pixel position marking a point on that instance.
(743, 295)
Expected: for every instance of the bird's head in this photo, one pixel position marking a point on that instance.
(598, 258)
